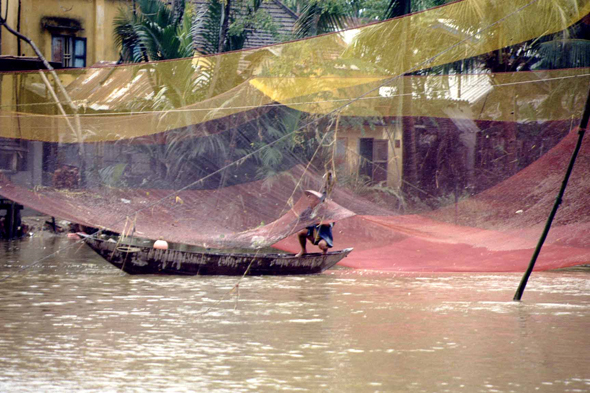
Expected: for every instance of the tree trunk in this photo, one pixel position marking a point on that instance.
(410, 153)
(224, 25)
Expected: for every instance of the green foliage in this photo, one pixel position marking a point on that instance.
(401, 7)
(211, 28)
(371, 9)
(323, 16)
(276, 138)
(111, 176)
(245, 17)
(563, 53)
(153, 32)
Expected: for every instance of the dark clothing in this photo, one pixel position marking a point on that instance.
(320, 232)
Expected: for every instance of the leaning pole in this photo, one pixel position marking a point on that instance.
(581, 130)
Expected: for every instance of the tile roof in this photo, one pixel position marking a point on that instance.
(281, 15)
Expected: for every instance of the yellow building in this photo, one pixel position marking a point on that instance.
(69, 33)
(76, 33)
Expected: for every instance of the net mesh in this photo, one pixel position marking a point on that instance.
(447, 131)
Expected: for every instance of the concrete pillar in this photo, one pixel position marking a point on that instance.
(100, 38)
(36, 162)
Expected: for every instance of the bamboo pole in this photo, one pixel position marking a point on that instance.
(581, 130)
(78, 128)
(56, 99)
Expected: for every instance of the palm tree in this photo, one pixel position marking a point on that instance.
(319, 17)
(155, 31)
(325, 16)
(228, 23)
(152, 30)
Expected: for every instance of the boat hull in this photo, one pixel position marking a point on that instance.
(147, 260)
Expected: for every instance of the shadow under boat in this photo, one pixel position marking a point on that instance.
(135, 258)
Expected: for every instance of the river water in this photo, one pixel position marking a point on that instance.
(73, 322)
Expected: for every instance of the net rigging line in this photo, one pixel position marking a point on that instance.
(298, 130)
(301, 103)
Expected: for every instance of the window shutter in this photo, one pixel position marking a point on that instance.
(79, 52)
(57, 49)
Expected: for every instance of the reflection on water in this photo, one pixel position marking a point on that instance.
(75, 323)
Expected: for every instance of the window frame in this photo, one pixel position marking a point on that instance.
(68, 51)
(375, 168)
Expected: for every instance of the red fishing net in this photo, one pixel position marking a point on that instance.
(447, 132)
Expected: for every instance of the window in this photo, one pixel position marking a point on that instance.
(8, 161)
(13, 156)
(68, 50)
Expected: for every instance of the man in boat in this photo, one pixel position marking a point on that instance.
(319, 234)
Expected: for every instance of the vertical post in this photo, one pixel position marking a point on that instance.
(100, 38)
(18, 44)
(9, 220)
(581, 131)
(1, 29)
(409, 152)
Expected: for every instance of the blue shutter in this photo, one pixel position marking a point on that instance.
(79, 55)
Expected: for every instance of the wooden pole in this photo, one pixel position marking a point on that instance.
(581, 131)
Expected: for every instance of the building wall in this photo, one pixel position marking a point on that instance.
(95, 16)
(8, 40)
(390, 132)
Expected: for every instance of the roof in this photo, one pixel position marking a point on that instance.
(281, 15)
(24, 63)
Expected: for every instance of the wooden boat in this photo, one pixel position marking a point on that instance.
(147, 260)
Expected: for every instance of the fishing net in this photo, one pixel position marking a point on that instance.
(440, 138)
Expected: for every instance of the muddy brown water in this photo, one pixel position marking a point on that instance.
(73, 322)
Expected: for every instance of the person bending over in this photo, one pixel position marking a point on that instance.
(319, 235)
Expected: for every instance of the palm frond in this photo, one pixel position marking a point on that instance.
(564, 53)
(320, 17)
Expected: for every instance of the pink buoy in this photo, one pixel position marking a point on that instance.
(161, 245)
(73, 236)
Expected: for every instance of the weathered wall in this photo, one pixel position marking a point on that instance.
(95, 16)
(391, 133)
